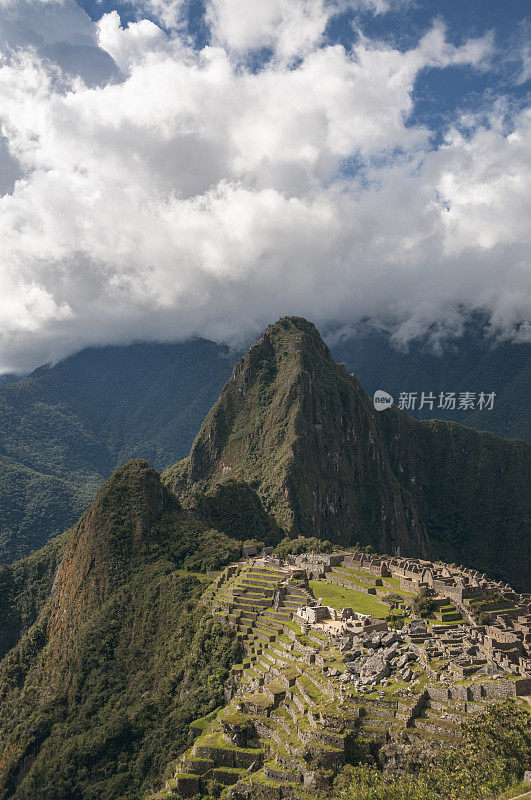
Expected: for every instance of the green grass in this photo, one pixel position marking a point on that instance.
(286, 623)
(258, 700)
(320, 635)
(338, 597)
(203, 722)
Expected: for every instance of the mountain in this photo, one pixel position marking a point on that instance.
(299, 432)
(65, 428)
(108, 645)
(109, 656)
(470, 363)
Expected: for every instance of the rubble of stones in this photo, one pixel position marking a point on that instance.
(372, 659)
(501, 644)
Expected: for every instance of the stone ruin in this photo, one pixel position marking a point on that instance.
(316, 683)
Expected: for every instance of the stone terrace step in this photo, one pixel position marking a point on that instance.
(274, 772)
(264, 625)
(228, 776)
(281, 615)
(267, 572)
(255, 583)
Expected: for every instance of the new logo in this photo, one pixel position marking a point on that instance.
(382, 400)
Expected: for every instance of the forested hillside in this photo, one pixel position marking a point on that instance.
(96, 696)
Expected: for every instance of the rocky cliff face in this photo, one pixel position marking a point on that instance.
(300, 432)
(470, 489)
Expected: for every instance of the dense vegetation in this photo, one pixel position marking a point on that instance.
(65, 428)
(302, 544)
(25, 586)
(299, 432)
(234, 508)
(423, 604)
(494, 755)
(95, 698)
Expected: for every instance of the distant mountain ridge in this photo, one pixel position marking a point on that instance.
(471, 363)
(64, 429)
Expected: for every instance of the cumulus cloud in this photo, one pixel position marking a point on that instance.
(196, 195)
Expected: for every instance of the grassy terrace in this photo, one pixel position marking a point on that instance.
(338, 597)
(390, 585)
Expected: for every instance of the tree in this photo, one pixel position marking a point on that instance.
(424, 604)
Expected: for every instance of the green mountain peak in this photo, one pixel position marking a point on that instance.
(298, 431)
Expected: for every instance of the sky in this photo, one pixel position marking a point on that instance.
(171, 168)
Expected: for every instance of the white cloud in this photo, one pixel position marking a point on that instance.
(290, 28)
(169, 13)
(57, 30)
(194, 195)
(377, 6)
(131, 45)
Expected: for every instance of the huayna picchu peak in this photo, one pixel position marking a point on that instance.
(226, 629)
(300, 432)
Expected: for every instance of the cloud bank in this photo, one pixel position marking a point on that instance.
(153, 190)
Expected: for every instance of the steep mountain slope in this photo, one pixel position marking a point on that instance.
(65, 428)
(300, 432)
(96, 696)
(470, 490)
(25, 586)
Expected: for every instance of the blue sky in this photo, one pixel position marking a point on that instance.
(171, 168)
